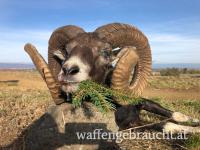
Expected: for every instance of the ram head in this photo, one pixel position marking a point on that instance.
(116, 54)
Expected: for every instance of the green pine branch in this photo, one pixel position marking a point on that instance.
(101, 96)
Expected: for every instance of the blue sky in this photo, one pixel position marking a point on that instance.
(172, 26)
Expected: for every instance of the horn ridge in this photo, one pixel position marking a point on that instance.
(122, 35)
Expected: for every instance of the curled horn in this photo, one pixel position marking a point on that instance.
(45, 72)
(58, 40)
(137, 58)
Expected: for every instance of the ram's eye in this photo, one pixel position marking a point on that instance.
(63, 62)
(105, 53)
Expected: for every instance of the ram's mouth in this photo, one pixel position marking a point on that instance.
(69, 87)
(69, 82)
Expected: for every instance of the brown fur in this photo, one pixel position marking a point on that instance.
(87, 47)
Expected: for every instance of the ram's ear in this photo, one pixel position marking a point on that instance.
(58, 54)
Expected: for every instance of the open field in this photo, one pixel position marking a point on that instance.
(24, 98)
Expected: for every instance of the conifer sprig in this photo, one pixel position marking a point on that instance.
(100, 96)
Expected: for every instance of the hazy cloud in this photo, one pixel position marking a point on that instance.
(12, 44)
(173, 32)
(165, 47)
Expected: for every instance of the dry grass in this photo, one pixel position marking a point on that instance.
(173, 88)
(26, 99)
(27, 80)
(21, 102)
(172, 82)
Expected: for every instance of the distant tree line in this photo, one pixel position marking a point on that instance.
(178, 71)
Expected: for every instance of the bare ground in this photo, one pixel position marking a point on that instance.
(24, 98)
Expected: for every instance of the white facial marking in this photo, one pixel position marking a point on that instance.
(116, 49)
(58, 54)
(84, 69)
(60, 76)
(83, 74)
(114, 62)
(69, 88)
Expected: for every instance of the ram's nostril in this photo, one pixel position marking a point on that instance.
(73, 70)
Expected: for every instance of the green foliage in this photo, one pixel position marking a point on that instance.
(193, 104)
(193, 142)
(100, 96)
(190, 71)
(178, 71)
(170, 72)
